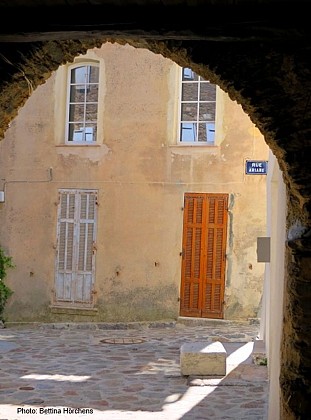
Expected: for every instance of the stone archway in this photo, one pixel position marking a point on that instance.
(262, 64)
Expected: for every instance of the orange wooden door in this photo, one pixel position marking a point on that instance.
(203, 256)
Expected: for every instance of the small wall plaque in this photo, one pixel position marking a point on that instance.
(256, 167)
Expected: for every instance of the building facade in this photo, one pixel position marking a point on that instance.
(126, 196)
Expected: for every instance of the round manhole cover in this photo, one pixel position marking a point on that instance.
(125, 340)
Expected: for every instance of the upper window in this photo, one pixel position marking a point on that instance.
(197, 109)
(82, 103)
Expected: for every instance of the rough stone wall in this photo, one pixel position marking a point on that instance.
(271, 79)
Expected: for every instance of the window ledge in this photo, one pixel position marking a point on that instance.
(78, 145)
(205, 149)
(73, 310)
(193, 145)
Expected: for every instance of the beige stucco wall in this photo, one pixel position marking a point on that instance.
(141, 175)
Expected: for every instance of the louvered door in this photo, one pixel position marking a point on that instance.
(204, 249)
(75, 262)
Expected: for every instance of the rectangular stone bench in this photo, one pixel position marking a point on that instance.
(203, 358)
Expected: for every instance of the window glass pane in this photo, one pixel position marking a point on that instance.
(188, 74)
(207, 92)
(206, 132)
(92, 93)
(207, 111)
(85, 75)
(75, 132)
(78, 133)
(190, 92)
(77, 93)
(76, 112)
(210, 127)
(202, 136)
(79, 75)
(189, 112)
(93, 74)
(91, 112)
(90, 132)
(188, 132)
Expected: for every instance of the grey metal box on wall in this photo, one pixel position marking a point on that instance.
(263, 249)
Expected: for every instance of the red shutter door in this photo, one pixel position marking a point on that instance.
(192, 262)
(203, 262)
(213, 282)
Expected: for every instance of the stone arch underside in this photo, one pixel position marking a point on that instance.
(271, 80)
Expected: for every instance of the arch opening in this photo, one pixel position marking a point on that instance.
(263, 77)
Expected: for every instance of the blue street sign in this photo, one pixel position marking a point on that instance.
(256, 167)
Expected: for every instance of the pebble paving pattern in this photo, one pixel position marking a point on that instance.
(125, 371)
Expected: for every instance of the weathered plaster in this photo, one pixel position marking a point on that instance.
(262, 61)
(141, 179)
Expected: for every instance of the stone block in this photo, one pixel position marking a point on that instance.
(203, 358)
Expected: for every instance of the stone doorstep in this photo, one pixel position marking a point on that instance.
(203, 358)
(259, 347)
(259, 352)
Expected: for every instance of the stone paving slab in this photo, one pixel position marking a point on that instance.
(100, 373)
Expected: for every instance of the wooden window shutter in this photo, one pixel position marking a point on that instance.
(75, 268)
(86, 232)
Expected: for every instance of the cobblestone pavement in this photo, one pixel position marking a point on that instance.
(126, 371)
